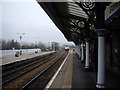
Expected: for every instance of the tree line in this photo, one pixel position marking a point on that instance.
(12, 44)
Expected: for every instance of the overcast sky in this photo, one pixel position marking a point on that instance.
(31, 19)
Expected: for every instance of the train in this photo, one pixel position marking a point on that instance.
(66, 48)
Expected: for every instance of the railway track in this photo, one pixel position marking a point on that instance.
(17, 72)
(21, 77)
(42, 79)
(17, 64)
(13, 72)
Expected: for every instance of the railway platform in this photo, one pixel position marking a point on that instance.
(72, 74)
(12, 58)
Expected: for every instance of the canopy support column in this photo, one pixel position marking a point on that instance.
(82, 45)
(87, 62)
(100, 8)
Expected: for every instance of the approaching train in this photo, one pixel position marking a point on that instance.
(67, 48)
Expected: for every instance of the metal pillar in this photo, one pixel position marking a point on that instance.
(76, 49)
(79, 51)
(101, 63)
(87, 62)
(82, 52)
(100, 6)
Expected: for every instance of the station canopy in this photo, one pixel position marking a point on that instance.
(69, 18)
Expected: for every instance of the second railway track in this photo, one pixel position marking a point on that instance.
(17, 71)
(22, 79)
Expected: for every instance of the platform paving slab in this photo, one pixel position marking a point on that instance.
(74, 76)
(63, 78)
(88, 79)
(82, 78)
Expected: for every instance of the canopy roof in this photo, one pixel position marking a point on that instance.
(70, 18)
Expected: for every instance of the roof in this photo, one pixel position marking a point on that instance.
(71, 19)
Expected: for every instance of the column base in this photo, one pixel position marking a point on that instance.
(79, 57)
(82, 61)
(87, 68)
(100, 85)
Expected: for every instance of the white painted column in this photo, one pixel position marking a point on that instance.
(87, 62)
(101, 63)
(76, 48)
(79, 51)
(82, 52)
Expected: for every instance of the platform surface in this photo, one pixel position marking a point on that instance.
(12, 58)
(64, 77)
(73, 75)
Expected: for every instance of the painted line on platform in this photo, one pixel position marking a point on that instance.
(20, 59)
(53, 78)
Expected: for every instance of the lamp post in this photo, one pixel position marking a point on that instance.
(20, 36)
(36, 44)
